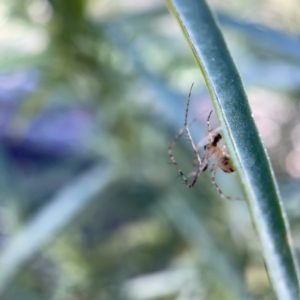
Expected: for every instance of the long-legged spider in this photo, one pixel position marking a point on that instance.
(213, 151)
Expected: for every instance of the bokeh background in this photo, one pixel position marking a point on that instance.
(92, 92)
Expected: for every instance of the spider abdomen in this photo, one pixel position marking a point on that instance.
(225, 164)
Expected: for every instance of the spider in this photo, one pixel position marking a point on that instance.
(213, 151)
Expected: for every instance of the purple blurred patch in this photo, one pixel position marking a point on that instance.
(55, 133)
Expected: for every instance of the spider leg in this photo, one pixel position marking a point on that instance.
(180, 134)
(208, 121)
(202, 167)
(186, 127)
(170, 151)
(195, 165)
(213, 179)
(196, 148)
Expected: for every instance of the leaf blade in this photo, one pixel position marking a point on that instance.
(245, 146)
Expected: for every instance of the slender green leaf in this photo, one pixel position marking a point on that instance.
(64, 207)
(242, 138)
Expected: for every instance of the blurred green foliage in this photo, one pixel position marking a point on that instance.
(91, 95)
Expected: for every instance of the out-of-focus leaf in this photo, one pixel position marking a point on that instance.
(42, 228)
(196, 233)
(278, 41)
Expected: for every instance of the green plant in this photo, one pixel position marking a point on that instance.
(242, 138)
